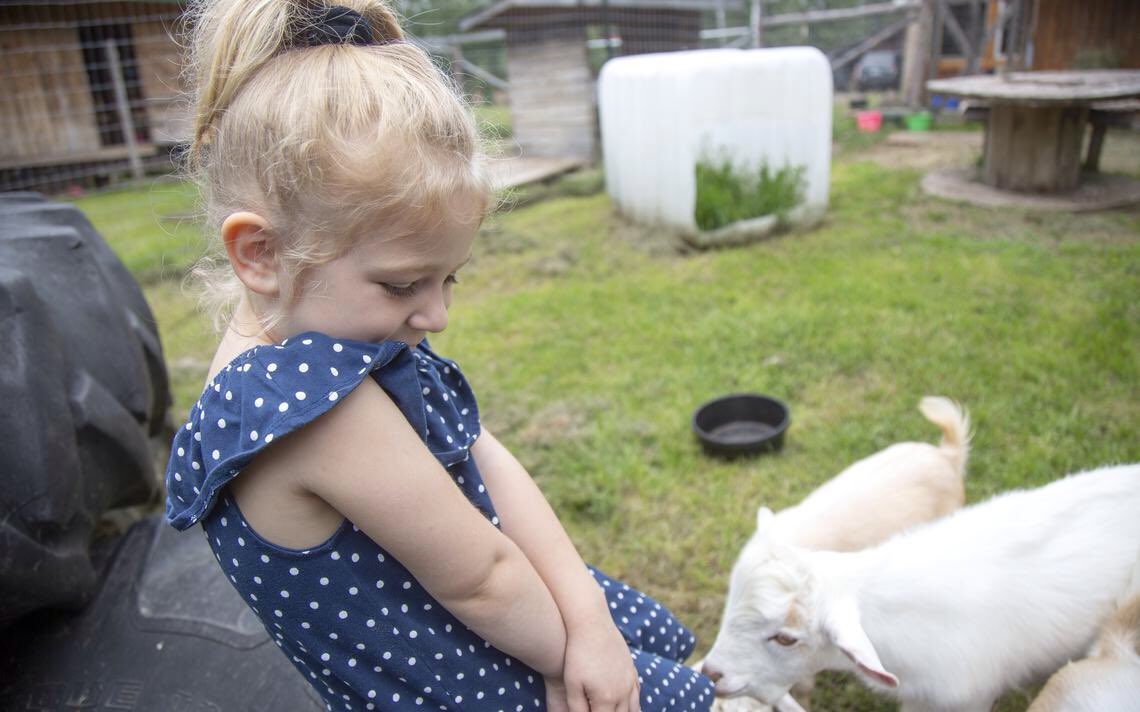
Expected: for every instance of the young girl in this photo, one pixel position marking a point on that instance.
(394, 550)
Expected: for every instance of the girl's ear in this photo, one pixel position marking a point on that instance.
(252, 255)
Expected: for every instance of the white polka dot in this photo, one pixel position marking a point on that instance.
(284, 594)
(258, 402)
(271, 367)
(300, 395)
(338, 348)
(342, 615)
(253, 435)
(181, 452)
(314, 605)
(177, 477)
(355, 558)
(215, 454)
(222, 423)
(303, 368)
(367, 358)
(333, 371)
(324, 580)
(283, 407)
(269, 438)
(333, 396)
(264, 559)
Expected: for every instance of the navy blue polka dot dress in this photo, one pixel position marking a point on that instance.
(348, 615)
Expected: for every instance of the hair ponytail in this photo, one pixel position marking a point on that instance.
(325, 139)
(231, 40)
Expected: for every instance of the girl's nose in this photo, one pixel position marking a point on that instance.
(431, 313)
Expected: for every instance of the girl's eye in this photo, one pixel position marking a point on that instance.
(452, 279)
(783, 639)
(399, 290)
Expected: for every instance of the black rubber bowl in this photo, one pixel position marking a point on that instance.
(741, 424)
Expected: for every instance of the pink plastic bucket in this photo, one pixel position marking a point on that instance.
(868, 121)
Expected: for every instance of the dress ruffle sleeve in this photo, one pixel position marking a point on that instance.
(269, 391)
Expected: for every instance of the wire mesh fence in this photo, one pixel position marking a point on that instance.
(91, 93)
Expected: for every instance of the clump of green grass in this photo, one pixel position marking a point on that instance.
(728, 193)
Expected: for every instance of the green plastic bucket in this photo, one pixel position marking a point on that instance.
(918, 121)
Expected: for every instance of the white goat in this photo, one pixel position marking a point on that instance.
(1109, 678)
(946, 615)
(905, 484)
(896, 488)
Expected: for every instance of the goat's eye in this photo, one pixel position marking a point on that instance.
(783, 639)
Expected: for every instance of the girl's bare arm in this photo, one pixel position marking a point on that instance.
(598, 662)
(363, 459)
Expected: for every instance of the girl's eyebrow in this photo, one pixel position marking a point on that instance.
(415, 267)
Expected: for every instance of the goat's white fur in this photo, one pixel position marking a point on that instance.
(1109, 678)
(905, 484)
(946, 615)
(896, 488)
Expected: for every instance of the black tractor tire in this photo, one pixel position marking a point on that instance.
(83, 392)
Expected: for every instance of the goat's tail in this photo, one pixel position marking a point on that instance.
(955, 424)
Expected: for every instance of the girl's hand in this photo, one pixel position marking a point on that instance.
(599, 674)
(556, 695)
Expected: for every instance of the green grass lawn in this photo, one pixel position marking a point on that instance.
(590, 341)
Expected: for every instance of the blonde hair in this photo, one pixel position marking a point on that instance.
(321, 141)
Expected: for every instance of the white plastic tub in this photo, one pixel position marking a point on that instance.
(661, 113)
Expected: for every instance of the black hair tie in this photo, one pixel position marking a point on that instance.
(338, 25)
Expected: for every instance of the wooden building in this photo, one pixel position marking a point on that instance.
(1036, 35)
(85, 84)
(552, 94)
(1091, 34)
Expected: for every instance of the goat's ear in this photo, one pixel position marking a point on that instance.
(764, 520)
(842, 627)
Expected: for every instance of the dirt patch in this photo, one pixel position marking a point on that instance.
(926, 150)
(655, 240)
(558, 422)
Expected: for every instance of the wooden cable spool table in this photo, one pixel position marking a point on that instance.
(1035, 127)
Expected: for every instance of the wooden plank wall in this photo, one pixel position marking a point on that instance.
(159, 58)
(552, 98)
(47, 112)
(45, 101)
(1068, 31)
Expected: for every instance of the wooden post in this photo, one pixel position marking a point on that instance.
(123, 106)
(1035, 149)
(1096, 144)
(916, 55)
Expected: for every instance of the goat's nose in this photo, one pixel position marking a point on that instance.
(710, 671)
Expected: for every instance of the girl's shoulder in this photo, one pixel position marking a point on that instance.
(268, 391)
